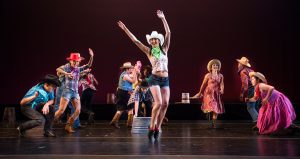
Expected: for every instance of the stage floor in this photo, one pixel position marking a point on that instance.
(180, 139)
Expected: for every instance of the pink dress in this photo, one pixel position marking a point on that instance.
(212, 96)
(277, 114)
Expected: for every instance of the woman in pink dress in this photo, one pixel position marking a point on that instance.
(213, 86)
(277, 112)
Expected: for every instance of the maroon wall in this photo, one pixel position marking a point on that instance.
(39, 35)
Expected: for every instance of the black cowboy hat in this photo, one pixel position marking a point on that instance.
(51, 79)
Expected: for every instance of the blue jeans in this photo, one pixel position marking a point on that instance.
(251, 107)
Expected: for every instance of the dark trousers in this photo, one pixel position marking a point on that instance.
(147, 111)
(37, 117)
(86, 100)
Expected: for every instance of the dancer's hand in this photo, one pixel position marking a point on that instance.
(121, 25)
(160, 14)
(36, 94)
(45, 109)
(70, 75)
(222, 91)
(247, 99)
(264, 101)
(91, 52)
(198, 95)
(241, 97)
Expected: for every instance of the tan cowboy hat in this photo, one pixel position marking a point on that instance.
(155, 35)
(213, 61)
(126, 65)
(244, 61)
(258, 75)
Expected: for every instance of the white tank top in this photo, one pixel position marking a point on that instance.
(160, 64)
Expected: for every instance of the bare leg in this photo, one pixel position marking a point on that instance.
(165, 93)
(76, 104)
(155, 90)
(62, 107)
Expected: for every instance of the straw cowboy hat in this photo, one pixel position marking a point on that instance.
(258, 75)
(126, 65)
(213, 61)
(51, 79)
(75, 57)
(155, 35)
(244, 61)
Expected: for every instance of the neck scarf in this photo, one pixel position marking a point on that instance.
(156, 52)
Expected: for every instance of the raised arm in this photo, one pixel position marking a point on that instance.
(144, 48)
(166, 44)
(91, 58)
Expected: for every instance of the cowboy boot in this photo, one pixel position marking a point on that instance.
(69, 125)
(213, 123)
(115, 120)
(254, 127)
(129, 120)
(91, 119)
(208, 116)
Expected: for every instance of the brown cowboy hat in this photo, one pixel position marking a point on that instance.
(75, 57)
(258, 75)
(213, 61)
(126, 65)
(244, 61)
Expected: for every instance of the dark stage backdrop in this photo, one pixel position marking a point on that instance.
(37, 36)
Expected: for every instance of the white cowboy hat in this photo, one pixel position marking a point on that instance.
(258, 75)
(126, 65)
(213, 61)
(244, 61)
(155, 35)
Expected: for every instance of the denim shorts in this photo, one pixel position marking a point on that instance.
(160, 81)
(70, 94)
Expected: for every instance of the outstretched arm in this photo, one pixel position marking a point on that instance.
(144, 48)
(166, 44)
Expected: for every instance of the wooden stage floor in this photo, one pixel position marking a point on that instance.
(180, 139)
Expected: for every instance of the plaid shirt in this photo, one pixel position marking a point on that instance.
(245, 79)
(72, 83)
(138, 95)
(87, 83)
